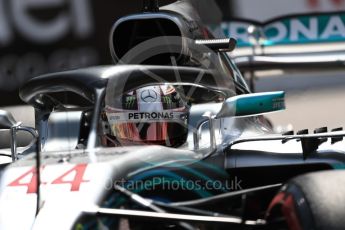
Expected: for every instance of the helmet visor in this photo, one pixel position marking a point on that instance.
(152, 128)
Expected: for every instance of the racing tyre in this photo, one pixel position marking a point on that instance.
(312, 201)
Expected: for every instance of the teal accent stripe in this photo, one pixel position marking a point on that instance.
(338, 166)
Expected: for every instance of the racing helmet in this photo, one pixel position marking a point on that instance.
(149, 115)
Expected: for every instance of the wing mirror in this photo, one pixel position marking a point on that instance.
(252, 104)
(8, 122)
(241, 106)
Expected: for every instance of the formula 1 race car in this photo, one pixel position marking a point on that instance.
(168, 138)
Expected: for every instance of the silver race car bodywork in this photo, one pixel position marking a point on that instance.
(65, 179)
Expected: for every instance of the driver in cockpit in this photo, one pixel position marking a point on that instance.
(149, 115)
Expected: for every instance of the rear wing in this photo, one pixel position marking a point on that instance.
(298, 42)
(303, 62)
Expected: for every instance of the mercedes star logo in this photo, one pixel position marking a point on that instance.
(149, 96)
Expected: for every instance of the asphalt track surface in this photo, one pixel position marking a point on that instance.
(313, 100)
